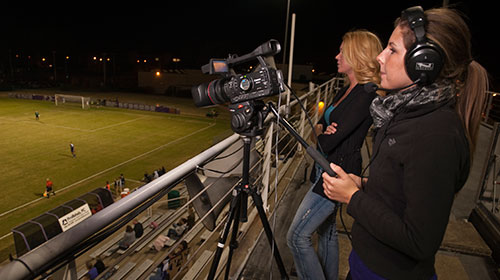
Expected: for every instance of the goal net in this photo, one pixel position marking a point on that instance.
(64, 99)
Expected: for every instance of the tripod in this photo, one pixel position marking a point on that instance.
(238, 207)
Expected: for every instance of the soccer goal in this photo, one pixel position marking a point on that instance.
(61, 99)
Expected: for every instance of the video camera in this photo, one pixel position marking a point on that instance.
(264, 81)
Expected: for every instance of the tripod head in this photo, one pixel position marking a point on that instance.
(247, 118)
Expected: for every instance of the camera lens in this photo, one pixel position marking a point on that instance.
(208, 94)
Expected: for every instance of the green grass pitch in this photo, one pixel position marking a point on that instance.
(108, 142)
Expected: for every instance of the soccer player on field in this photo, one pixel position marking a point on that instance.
(48, 188)
(72, 148)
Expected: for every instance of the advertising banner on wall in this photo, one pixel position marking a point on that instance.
(75, 217)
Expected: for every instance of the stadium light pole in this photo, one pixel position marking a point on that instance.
(290, 66)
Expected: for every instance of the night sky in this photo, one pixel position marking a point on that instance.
(195, 31)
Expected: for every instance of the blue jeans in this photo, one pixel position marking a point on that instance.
(315, 213)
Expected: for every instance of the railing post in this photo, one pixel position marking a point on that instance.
(302, 124)
(316, 108)
(330, 91)
(266, 166)
(325, 94)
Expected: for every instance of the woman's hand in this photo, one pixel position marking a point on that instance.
(331, 129)
(342, 187)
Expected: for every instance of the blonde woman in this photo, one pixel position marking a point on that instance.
(341, 131)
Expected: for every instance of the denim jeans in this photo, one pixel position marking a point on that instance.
(315, 213)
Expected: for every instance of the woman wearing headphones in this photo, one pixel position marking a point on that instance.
(426, 132)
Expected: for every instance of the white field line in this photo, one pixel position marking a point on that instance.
(74, 128)
(117, 124)
(8, 234)
(108, 169)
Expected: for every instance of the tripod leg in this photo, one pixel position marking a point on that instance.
(233, 243)
(233, 211)
(267, 228)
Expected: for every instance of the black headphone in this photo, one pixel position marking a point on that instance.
(424, 60)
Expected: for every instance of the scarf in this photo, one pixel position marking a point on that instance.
(383, 108)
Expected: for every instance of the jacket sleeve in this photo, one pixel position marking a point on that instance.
(352, 118)
(430, 174)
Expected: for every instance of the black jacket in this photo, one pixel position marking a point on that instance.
(421, 159)
(353, 118)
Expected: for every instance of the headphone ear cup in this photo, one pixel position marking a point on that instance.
(424, 61)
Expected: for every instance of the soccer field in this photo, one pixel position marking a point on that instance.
(107, 141)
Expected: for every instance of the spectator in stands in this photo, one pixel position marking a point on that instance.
(161, 272)
(49, 188)
(147, 178)
(138, 228)
(178, 230)
(155, 175)
(128, 238)
(122, 180)
(184, 223)
(160, 242)
(340, 133)
(92, 273)
(99, 265)
(183, 247)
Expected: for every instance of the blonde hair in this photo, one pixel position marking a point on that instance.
(360, 49)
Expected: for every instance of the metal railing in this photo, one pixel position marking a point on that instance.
(61, 247)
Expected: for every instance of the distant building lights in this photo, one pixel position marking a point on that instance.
(175, 59)
(43, 59)
(67, 57)
(157, 73)
(95, 57)
(145, 61)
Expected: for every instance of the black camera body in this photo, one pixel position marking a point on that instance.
(264, 81)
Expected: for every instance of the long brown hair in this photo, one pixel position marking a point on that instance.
(447, 28)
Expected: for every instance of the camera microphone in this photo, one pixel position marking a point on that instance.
(372, 87)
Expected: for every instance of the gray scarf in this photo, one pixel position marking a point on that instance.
(383, 108)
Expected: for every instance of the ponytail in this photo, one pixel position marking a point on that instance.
(471, 100)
